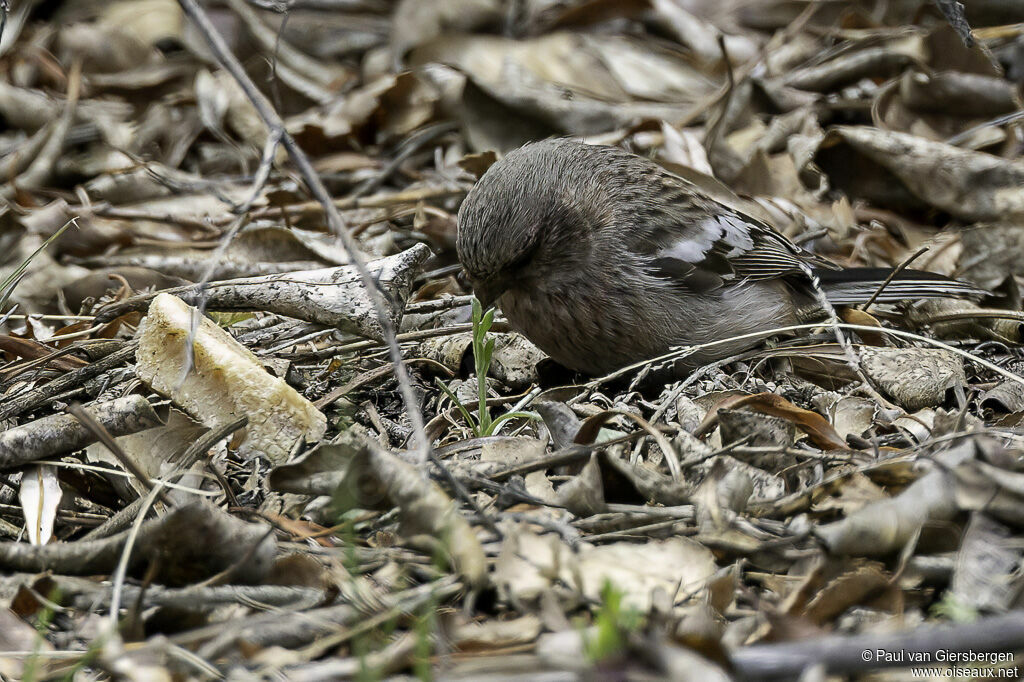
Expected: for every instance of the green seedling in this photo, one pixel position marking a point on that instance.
(483, 349)
(613, 623)
(9, 284)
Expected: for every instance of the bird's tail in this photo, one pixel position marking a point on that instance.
(851, 286)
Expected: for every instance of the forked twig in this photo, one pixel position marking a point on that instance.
(690, 350)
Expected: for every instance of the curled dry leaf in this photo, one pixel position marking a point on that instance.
(376, 479)
(884, 527)
(648, 483)
(852, 415)
(678, 566)
(583, 494)
(863, 581)
(991, 252)
(956, 319)
(155, 450)
(986, 576)
(255, 251)
(590, 432)
(18, 635)
(970, 185)
(1007, 396)
(755, 429)
(913, 377)
(40, 495)
(216, 380)
(813, 424)
(513, 362)
(529, 565)
(321, 470)
(993, 490)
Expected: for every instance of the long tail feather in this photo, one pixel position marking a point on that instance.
(857, 285)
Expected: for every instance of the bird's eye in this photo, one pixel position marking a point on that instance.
(522, 258)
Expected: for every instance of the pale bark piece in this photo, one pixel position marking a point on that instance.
(61, 433)
(330, 296)
(221, 381)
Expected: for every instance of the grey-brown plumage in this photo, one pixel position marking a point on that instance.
(603, 258)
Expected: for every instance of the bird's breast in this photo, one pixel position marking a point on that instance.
(587, 327)
(598, 327)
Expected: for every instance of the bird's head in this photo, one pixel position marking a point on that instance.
(516, 223)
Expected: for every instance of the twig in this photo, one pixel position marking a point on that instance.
(997, 121)
(104, 436)
(842, 655)
(4, 9)
(408, 147)
(122, 565)
(690, 350)
(335, 222)
(204, 281)
(853, 358)
(980, 314)
(23, 402)
(892, 275)
(568, 455)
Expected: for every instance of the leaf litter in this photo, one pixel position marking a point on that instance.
(212, 466)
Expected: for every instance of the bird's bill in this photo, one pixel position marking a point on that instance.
(488, 292)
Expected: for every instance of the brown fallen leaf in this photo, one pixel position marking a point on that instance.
(813, 424)
(34, 350)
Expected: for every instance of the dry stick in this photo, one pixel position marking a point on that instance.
(127, 462)
(853, 358)
(979, 314)
(122, 565)
(690, 350)
(380, 200)
(208, 440)
(337, 225)
(847, 654)
(16, 404)
(407, 148)
(355, 346)
(567, 455)
(892, 275)
(262, 173)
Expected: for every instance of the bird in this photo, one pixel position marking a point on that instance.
(603, 258)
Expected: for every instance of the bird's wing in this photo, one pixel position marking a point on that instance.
(691, 238)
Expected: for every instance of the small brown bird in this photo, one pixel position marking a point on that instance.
(603, 258)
